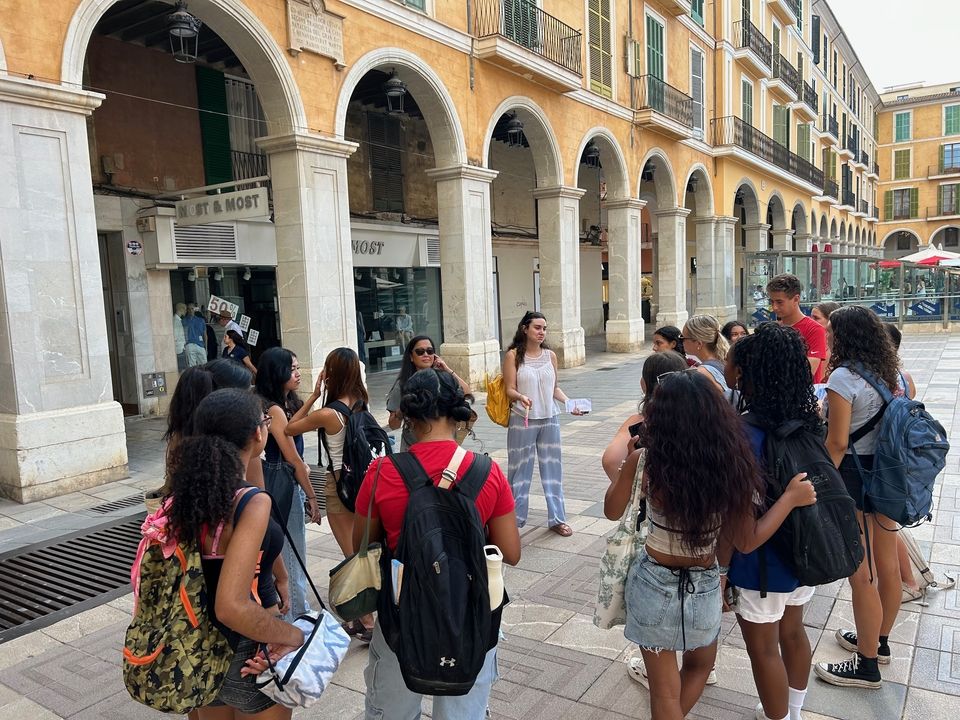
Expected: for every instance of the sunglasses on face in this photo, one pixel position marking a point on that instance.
(424, 351)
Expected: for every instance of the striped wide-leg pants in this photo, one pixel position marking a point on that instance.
(540, 439)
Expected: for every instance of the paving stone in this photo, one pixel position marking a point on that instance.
(937, 671)
(552, 669)
(580, 634)
(854, 703)
(533, 621)
(927, 705)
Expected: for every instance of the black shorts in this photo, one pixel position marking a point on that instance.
(853, 480)
(238, 692)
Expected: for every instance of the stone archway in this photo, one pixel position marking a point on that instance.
(900, 242)
(710, 248)
(746, 208)
(823, 236)
(668, 224)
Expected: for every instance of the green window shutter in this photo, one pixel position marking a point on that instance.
(384, 139)
(214, 126)
(940, 200)
(696, 11)
(519, 21)
(746, 102)
(901, 164)
(654, 48)
(888, 205)
(914, 202)
(803, 141)
(781, 117)
(599, 42)
(943, 149)
(902, 123)
(951, 124)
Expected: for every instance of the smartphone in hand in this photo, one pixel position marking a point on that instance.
(634, 431)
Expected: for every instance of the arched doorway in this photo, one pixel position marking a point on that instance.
(947, 237)
(667, 222)
(710, 249)
(780, 236)
(798, 224)
(610, 220)
(898, 243)
(753, 271)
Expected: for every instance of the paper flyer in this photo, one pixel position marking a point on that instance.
(252, 337)
(582, 404)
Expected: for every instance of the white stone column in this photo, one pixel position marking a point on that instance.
(672, 266)
(805, 243)
(715, 267)
(466, 270)
(783, 240)
(756, 237)
(308, 174)
(60, 430)
(558, 212)
(625, 323)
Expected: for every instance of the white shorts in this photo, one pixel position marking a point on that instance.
(753, 608)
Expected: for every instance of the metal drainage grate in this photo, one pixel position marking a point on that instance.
(50, 581)
(121, 504)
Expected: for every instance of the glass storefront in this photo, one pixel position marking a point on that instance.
(395, 304)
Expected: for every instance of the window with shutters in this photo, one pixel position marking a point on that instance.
(385, 145)
(781, 125)
(951, 120)
(949, 200)
(745, 10)
(696, 11)
(697, 89)
(902, 203)
(214, 125)
(901, 164)
(520, 22)
(826, 61)
(829, 164)
(804, 149)
(834, 69)
(655, 49)
(746, 101)
(950, 157)
(599, 41)
(901, 124)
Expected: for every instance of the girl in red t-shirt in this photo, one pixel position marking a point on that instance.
(433, 402)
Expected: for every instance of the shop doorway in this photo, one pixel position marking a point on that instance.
(113, 280)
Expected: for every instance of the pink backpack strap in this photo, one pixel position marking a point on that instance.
(215, 549)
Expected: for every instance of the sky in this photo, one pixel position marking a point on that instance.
(902, 41)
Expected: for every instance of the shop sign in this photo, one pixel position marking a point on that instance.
(310, 27)
(384, 248)
(218, 305)
(134, 247)
(237, 205)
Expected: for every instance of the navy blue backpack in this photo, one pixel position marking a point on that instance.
(911, 451)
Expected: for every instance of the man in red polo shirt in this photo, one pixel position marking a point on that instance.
(784, 293)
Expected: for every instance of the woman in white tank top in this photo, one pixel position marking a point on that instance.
(530, 379)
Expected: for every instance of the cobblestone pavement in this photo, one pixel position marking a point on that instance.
(554, 663)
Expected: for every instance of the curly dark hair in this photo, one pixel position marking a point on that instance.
(519, 342)
(775, 380)
(656, 365)
(785, 283)
(859, 336)
(672, 334)
(273, 372)
(432, 394)
(206, 469)
(701, 470)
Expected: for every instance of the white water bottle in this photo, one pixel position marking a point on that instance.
(494, 574)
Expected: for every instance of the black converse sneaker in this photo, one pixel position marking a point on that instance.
(847, 639)
(858, 671)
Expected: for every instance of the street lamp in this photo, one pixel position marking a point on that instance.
(591, 155)
(514, 131)
(184, 30)
(396, 90)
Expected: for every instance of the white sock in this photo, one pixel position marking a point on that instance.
(795, 702)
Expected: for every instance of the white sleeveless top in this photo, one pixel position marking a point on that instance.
(537, 379)
(335, 443)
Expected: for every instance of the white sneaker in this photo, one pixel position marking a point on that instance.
(638, 671)
(761, 715)
(712, 677)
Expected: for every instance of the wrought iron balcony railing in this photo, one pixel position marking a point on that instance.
(248, 165)
(864, 158)
(829, 125)
(946, 166)
(848, 199)
(783, 70)
(946, 207)
(864, 207)
(526, 24)
(810, 97)
(732, 130)
(652, 92)
(876, 169)
(852, 145)
(748, 35)
(831, 189)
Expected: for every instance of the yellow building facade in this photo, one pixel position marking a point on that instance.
(919, 135)
(330, 169)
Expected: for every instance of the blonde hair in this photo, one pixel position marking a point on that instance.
(706, 329)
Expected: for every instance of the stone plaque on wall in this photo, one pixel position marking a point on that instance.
(310, 27)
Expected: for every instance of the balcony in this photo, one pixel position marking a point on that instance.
(848, 150)
(787, 11)
(248, 165)
(848, 201)
(662, 108)
(945, 168)
(521, 38)
(828, 126)
(675, 7)
(786, 84)
(944, 210)
(805, 108)
(734, 132)
(864, 208)
(752, 48)
(873, 170)
(875, 214)
(830, 190)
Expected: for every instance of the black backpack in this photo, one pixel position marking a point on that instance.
(820, 542)
(442, 626)
(365, 441)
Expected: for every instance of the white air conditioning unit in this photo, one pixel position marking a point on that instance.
(238, 243)
(428, 247)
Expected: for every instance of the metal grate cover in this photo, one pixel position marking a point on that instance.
(52, 580)
(120, 504)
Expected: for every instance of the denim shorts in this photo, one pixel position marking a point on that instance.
(672, 608)
(238, 692)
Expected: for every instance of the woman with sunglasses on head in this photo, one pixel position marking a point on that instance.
(668, 337)
(211, 502)
(771, 370)
(702, 338)
(277, 382)
(698, 476)
(419, 354)
(530, 381)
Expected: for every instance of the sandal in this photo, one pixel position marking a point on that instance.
(356, 629)
(562, 529)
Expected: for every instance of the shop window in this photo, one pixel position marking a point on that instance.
(385, 142)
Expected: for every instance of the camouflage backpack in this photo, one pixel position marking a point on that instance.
(174, 657)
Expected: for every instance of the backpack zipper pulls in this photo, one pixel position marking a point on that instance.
(436, 567)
